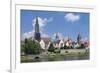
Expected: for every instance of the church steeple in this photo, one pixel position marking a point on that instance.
(37, 35)
(56, 37)
(37, 26)
(79, 38)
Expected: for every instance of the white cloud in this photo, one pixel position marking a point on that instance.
(42, 21)
(44, 35)
(31, 34)
(28, 34)
(85, 39)
(60, 35)
(71, 17)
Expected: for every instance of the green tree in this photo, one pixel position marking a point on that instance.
(36, 48)
(26, 46)
(31, 47)
(81, 46)
(51, 48)
(62, 48)
(65, 47)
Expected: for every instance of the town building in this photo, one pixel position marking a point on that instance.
(57, 42)
(45, 43)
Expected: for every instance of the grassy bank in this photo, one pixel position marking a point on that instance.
(56, 57)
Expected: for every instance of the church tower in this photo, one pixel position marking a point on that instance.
(79, 39)
(37, 35)
(57, 37)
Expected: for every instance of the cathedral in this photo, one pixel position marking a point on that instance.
(37, 34)
(44, 41)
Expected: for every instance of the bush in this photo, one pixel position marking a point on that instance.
(65, 47)
(82, 46)
(62, 48)
(51, 48)
(57, 51)
(66, 51)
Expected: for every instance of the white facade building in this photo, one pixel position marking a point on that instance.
(45, 43)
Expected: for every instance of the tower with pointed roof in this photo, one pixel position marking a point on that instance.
(56, 37)
(37, 34)
(79, 39)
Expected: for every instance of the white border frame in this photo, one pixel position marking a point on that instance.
(15, 34)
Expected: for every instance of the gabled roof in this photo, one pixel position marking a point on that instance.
(46, 40)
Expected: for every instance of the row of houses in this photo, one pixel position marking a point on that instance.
(58, 43)
(45, 43)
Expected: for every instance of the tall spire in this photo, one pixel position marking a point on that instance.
(56, 37)
(79, 38)
(37, 35)
(37, 26)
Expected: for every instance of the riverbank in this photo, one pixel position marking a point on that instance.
(65, 55)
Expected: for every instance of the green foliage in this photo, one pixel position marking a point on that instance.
(57, 50)
(62, 48)
(66, 51)
(51, 48)
(31, 47)
(36, 48)
(67, 47)
(81, 46)
(71, 47)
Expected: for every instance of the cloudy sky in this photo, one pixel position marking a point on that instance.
(66, 24)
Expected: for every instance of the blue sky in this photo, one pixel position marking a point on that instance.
(67, 24)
